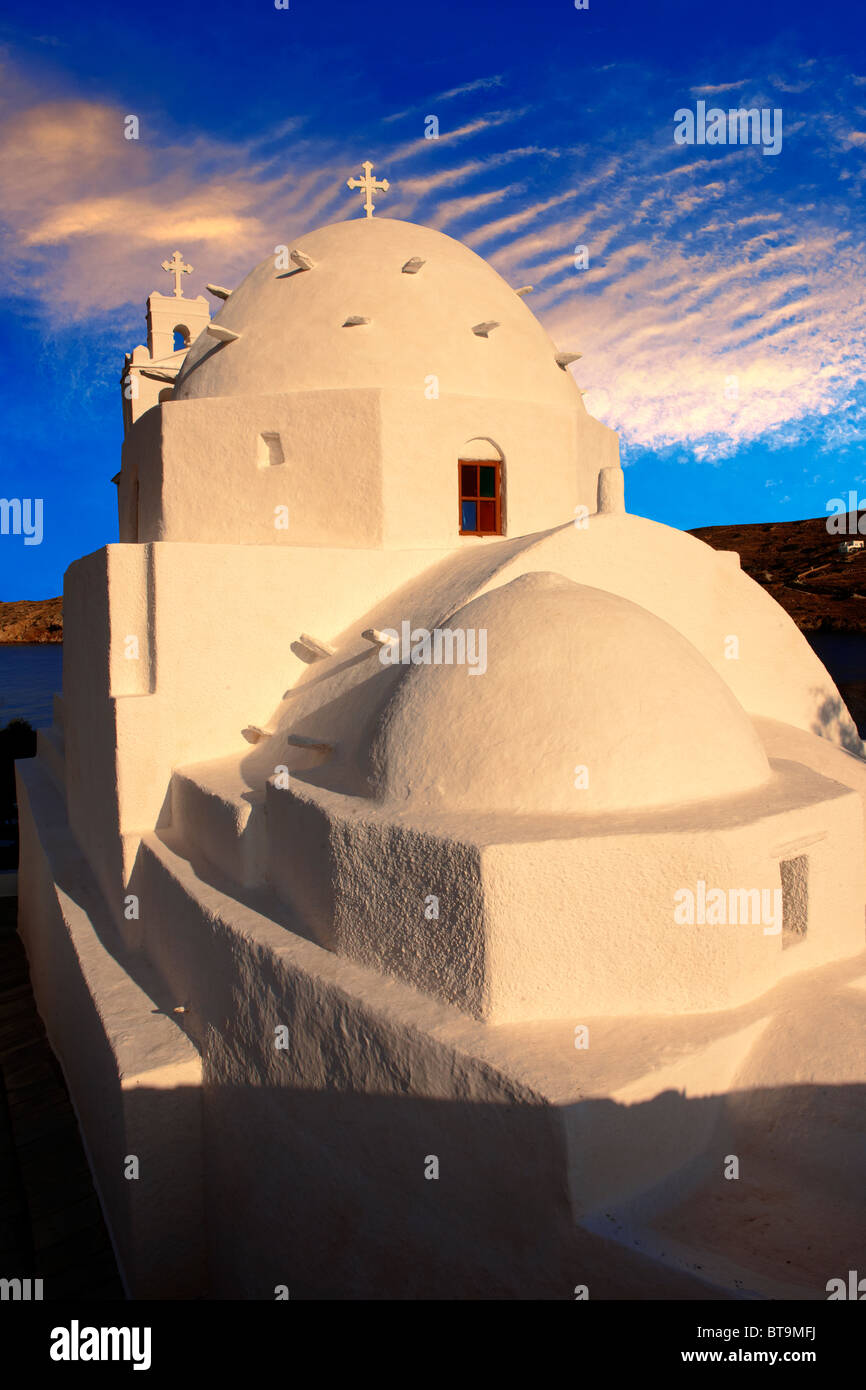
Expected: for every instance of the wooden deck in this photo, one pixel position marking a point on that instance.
(51, 1224)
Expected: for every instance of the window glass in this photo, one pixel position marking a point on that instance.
(469, 480)
(488, 481)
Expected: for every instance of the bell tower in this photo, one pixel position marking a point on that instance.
(173, 324)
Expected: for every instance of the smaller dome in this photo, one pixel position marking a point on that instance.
(575, 678)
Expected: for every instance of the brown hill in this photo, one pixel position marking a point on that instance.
(800, 564)
(32, 620)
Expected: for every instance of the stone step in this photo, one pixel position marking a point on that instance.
(219, 816)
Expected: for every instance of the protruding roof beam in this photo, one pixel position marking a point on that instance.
(481, 330)
(353, 321)
(525, 289)
(302, 741)
(222, 335)
(253, 733)
(319, 649)
(563, 359)
(378, 639)
(157, 374)
(218, 291)
(413, 265)
(301, 259)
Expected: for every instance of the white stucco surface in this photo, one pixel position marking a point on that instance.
(292, 336)
(574, 676)
(433, 878)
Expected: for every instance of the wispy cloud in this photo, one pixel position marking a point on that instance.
(789, 86)
(710, 90)
(702, 267)
(478, 84)
(504, 226)
(450, 137)
(453, 210)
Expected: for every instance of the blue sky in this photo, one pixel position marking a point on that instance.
(721, 316)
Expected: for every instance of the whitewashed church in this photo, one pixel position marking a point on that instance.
(434, 874)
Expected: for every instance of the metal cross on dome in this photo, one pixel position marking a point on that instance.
(177, 268)
(369, 185)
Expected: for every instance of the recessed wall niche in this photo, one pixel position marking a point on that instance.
(269, 450)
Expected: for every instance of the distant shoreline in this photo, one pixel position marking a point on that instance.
(31, 622)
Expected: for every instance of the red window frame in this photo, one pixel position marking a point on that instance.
(468, 490)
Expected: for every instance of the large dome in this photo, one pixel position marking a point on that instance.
(293, 335)
(575, 677)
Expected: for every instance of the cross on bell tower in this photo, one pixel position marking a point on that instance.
(369, 185)
(177, 268)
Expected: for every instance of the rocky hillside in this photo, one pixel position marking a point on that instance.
(800, 564)
(32, 620)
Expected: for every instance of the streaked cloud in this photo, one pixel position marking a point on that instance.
(709, 90)
(789, 86)
(703, 266)
(449, 137)
(478, 84)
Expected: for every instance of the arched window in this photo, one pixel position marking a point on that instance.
(480, 491)
(181, 337)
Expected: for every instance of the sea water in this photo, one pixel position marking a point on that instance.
(30, 674)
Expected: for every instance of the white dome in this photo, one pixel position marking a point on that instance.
(576, 677)
(293, 338)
